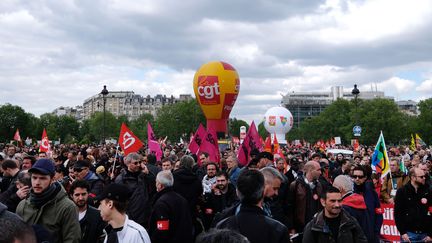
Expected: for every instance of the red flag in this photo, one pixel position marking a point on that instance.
(128, 141)
(212, 139)
(276, 147)
(17, 136)
(356, 145)
(252, 141)
(44, 146)
(197, 139)
(267, 144)
(153, 144)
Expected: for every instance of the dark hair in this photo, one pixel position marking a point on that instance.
(80, 184)
(9, 164)
(205, 154)
(31, 158)
(120, 206)
(330, 189)
(316, 155)
(24, 178)
(14, 229)
(151, 159)
(212, 163)
(360, 168)
(222, 173)
(250, 185)
(221, 235)
(253, 162)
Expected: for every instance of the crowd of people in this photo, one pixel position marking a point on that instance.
(94, 193)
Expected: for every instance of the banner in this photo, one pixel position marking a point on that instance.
(251, 142)
(128, 141)
(152, 142)
(380, 161)
(389, 232)
(44, 146)
(197, 139)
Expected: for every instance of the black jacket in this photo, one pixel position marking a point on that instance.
(253, 224)
(317, 230)
(92, 226)
(141, 186)
(411, 209)
(188, 186)
(170, 220)
(214, 204)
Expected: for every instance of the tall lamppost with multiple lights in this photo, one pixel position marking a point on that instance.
(356, 128)
(104, 93)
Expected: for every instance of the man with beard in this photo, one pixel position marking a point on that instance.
(89, 217)
(366, 188)
(82, 172)
(333, 224)
(413, 209)
(209, 179)
(293, 171)
(393, 181)
(49, 206)
(222, 196)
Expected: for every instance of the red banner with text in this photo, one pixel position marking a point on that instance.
(389, 232)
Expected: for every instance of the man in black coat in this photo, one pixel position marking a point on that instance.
(89, 217)
(251, 220)
(170, 220)
(413, 208)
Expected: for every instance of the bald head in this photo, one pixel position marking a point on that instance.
(312, 170)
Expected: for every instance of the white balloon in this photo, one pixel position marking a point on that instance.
(278, 120)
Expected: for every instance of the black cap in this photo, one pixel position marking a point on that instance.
(114, 191)
(266, 155)
(44, 167)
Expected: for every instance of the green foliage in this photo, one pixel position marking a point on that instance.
(97, 129)
(234, 126)
(424, 121)
(178, 120)
(13, 117)
(262, 131)
(139, 125)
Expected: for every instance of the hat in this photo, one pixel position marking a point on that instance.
(294, 160)
(114, 191)
(43, 166)
(266, 155)
(82, 163)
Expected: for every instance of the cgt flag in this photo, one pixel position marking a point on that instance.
(44, 146)
(153, 144)
(380, 161)
(128, 141)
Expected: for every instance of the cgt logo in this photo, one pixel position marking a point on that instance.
(208, 90)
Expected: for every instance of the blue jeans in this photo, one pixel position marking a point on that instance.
(414, 237)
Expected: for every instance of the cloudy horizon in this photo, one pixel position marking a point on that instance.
(59, 53)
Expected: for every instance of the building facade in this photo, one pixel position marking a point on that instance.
(408, 107)
(304, 105)
(128, 103)
(75, 112)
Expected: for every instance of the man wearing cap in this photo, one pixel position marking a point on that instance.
(82, 172)
(49, 205)
(265, 159)
(121, 229)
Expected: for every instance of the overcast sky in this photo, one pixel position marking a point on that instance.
(58, 53)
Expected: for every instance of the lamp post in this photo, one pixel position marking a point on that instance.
(357, 128)
(104, 93)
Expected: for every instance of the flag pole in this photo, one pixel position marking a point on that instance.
(115, 158)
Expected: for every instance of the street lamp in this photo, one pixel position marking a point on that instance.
(357, 128)
(104, 93)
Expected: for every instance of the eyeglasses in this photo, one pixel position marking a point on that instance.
(78, 170)
(422, 177)
(357, 177)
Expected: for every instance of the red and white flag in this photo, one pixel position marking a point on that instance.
(128, 141)
(17, 136)
(152, 142)
(251, 142)
(44, 146)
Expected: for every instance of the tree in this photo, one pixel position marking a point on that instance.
(178, 120)
(234, 126)
(262, 131)
(424, 121)
(11, 118)
(139, 125)
(96, 126)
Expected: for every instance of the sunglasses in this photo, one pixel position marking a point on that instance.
(78, 169)
(357, 177)
(422, 177)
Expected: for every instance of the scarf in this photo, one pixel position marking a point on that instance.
(38, 200)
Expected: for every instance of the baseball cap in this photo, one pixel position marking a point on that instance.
(44, 167)
(82, 163)
(266, 155)
(114, 191)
